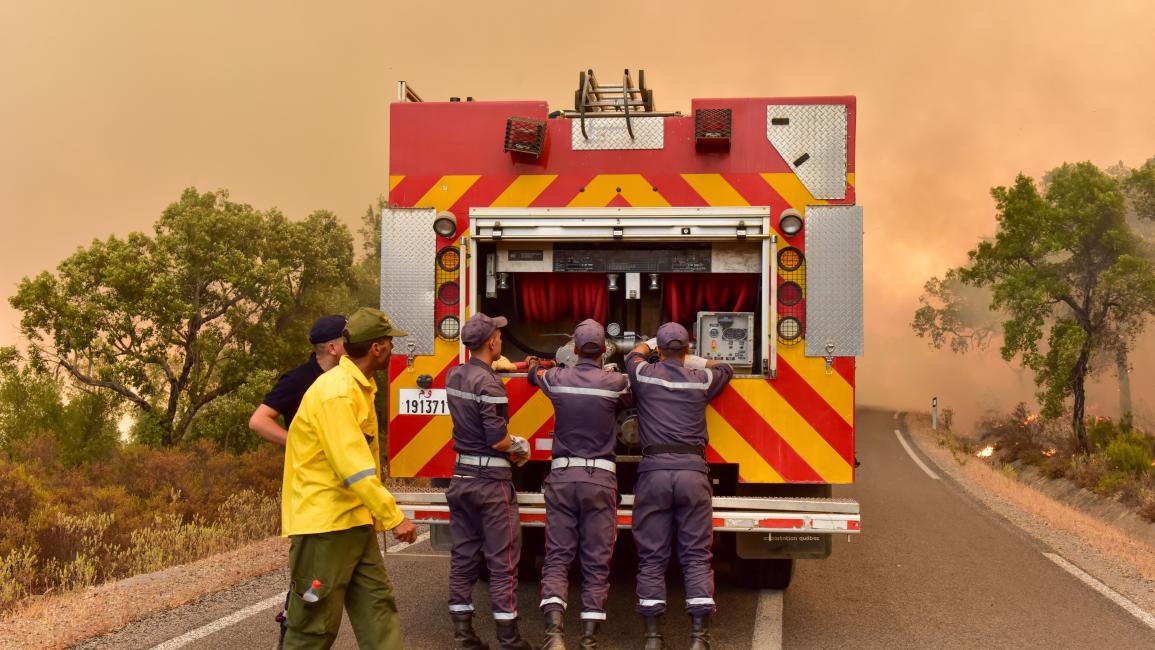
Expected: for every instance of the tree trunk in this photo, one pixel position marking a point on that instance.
(1079, 388)
(1123, 368)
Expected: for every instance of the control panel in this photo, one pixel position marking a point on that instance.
(631, 260)
(727, 336)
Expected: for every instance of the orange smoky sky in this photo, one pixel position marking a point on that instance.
(108, 110)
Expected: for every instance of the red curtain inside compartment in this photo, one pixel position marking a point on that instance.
(686, 294)
(548, 297)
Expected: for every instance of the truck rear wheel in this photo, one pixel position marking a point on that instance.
(764, 574)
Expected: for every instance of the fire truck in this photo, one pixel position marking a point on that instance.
(737, 219)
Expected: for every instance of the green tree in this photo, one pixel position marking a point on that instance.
(368, 270)
(173, 321)
(952, 313)
(1069, 273)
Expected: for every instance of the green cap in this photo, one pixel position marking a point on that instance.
(367, 324)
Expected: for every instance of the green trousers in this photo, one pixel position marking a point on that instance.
(349, 566)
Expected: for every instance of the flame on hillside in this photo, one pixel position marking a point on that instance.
(1031, 418)
(1050, 452)
(986, 452)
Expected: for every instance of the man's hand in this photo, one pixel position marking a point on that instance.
(405, 531)
(532, 362)
(518, 446)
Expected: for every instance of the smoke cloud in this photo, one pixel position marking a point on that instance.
(111, 108)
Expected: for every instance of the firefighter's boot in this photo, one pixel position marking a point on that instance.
(589, 635)
(508, 638)
(700, 633)
(464, 638)
(554, 630)
(653, 638)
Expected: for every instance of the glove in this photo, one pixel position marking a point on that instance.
(518, 446)
(653, 343)
(501, 364)
(694, 361)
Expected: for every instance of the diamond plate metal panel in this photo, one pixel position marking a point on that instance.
(408, 254)
(812, 139)
(834, 280)
(610, 133)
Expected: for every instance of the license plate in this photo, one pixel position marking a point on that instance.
(422, 401)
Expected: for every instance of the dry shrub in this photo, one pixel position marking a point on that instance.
(67, 528)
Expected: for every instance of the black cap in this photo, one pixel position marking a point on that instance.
(327, 328)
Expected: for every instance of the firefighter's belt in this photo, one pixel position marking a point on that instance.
(674, 449)
(482, 461)
(596, 463)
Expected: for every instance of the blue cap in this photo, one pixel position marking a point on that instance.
(673, 336)
(589, 336)
(479, 328)
(327, 328)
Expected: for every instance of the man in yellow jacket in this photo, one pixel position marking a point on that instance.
(333, 501)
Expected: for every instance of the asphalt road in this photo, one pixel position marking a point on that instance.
(932, 569)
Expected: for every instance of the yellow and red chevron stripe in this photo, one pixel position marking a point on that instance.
(798, 427)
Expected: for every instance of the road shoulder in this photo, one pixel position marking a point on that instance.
(1121, 562)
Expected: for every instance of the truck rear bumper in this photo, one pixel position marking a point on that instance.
(731, 514)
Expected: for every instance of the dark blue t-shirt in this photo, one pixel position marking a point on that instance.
(285, 398)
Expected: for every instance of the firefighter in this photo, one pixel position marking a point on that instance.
(333, 502)
(483, 514)
(672, 497)
(581, 490)
(285, 398)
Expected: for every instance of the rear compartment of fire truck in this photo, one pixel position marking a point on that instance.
(737, 277)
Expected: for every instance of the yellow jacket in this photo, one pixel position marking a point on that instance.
(332, 459)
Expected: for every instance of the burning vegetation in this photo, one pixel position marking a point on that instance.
(1120, 463)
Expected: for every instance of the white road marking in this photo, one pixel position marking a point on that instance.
(768, 621)
(252, 610)
(910, 452)
(220, 624)
(1094, 583)
(404, 545)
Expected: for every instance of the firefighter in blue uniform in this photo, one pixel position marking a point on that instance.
(484, 521)
(581, 492)
(672, 497)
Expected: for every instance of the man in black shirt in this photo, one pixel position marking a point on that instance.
(327, 337)
(285, 398)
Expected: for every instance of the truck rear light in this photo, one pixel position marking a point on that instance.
(449, 293)
(789, 328)
(790, 293)
(790, 223)
(525, 135)
(449, 259)
(448, 327)
(445, 226)
(789, 259)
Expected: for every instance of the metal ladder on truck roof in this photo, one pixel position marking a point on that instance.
(592, 100)
(735, 514)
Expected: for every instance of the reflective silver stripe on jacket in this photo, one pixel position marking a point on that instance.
(574, 390)
(476, 398)
(699, 601)
(482, 461)
(673, 385)
(365, 473)
(573, 461)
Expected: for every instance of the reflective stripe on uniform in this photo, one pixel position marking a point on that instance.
(552, 600)
(365, 473)
(593, 616)
(690, 602)
(673, 385)
(646, 602)
(453, 392)
(574, 390)
(504, 616)
(457, 609)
